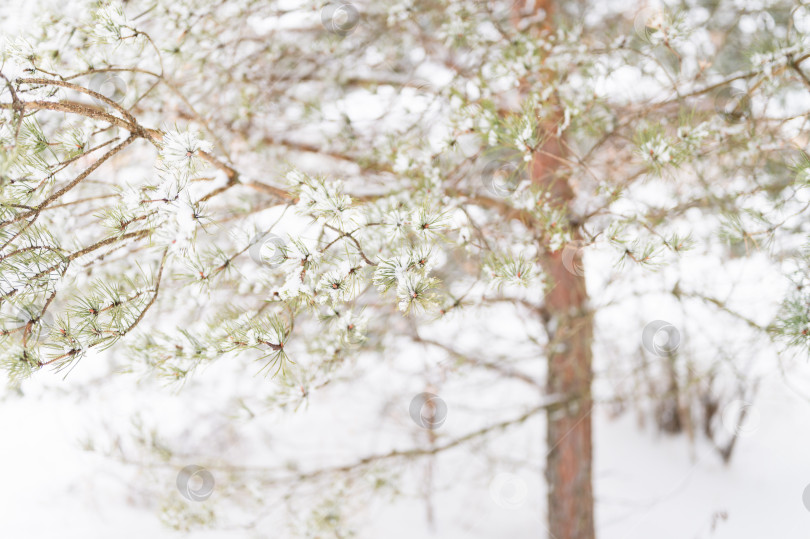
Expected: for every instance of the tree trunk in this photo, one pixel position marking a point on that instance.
(569, 322)
(568, 431)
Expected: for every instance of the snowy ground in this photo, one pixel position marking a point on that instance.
(647, 485)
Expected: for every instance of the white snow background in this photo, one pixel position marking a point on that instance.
(646, 484)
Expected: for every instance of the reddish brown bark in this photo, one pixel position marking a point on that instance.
(568, 434)
(570, 326)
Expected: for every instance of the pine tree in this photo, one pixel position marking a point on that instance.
(336, 181)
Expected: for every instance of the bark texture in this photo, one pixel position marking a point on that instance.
(569, 322)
